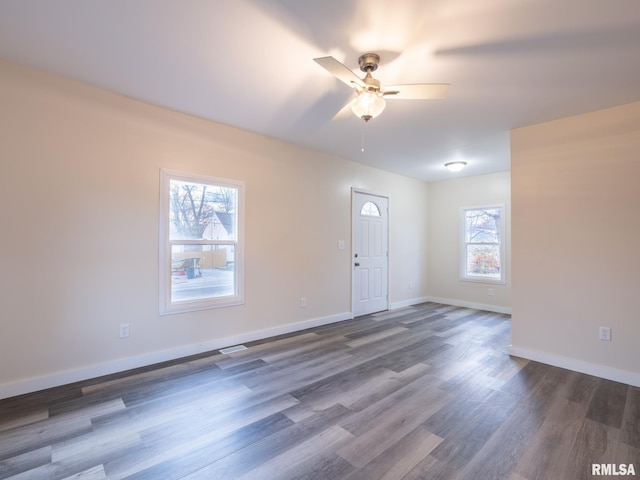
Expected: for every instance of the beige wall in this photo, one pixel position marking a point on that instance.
(445, 201)
(79, 180)
(576, 242)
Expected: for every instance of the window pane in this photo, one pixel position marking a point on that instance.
(483, 261)
(370, 209)
(483, 225)
(200, 211)
(202, 271)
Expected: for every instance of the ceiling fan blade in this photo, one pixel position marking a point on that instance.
(338, 70)
(416, 91)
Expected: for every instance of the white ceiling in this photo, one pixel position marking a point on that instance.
(248, 63)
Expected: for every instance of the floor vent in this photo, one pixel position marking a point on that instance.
(237, 348)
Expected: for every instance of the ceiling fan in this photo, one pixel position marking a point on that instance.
(370, 94)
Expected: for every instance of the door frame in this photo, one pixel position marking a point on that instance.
(355, 190)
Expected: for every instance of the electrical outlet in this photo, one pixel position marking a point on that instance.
(124, 330)
(605, 334)
(303, 302)
(490, 292)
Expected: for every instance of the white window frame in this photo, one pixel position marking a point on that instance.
(464, 275)
(166, 305)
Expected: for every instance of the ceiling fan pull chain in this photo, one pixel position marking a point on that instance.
(362, 138)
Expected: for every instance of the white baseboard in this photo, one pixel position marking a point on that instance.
(119, 365)
(407, 303)
(602, 371)
(462, 303)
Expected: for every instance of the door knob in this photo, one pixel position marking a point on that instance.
(357, 264)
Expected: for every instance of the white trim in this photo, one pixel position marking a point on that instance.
(120, 365)
(453, 302)
(408, 303)
(368, 192)
(477, 306)
(602, 371)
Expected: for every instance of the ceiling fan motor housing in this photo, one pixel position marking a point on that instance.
(369, 62)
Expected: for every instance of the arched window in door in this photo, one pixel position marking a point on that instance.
(370, 209)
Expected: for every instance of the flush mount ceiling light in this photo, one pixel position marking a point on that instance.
(455, 166)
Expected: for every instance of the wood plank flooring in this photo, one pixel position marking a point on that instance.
(424, 392)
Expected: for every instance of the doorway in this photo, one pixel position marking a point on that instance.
(370, 252)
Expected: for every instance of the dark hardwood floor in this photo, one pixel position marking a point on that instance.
(425, 392)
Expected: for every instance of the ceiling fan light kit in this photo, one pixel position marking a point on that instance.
(455, 166)
(368, 105)
(369, 101)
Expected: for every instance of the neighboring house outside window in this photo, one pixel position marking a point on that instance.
(482, 244)
(201, 254)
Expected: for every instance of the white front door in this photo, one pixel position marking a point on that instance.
(370, 261)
